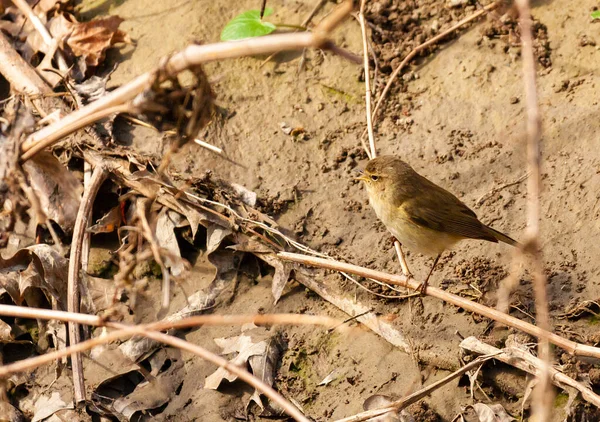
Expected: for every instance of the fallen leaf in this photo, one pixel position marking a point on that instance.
(491, 413)
(264, 366)
(166, 223)
(47, 406)
(58, 190)
(215, 234)
(92, 39)
(332, 376)
(244, 347)
(36, 267)
(281, 276)
(378, 401)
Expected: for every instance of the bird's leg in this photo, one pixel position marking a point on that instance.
(402, 259)
(423, 286)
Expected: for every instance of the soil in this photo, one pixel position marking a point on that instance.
(457, 116)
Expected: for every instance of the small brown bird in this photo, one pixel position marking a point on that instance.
(421, 215)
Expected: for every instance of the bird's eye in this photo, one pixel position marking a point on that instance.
(374, 178)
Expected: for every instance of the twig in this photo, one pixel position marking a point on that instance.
(81, 224)
(542, 392)
(497, 189)
(262, 8)
(426, 44)
(574, 348)
(192, 55)
(208, 146)
(52, 44)
(417, 395)
(371, 152)
(525, 361)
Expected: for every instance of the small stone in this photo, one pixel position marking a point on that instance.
(514, 100)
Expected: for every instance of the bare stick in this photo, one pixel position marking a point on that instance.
(417, 395)
(363, 27)
(192, 55)
(426, 44)
(81, 224)
(574, 348)
(525, 361)
(24, 7)
(543, 392)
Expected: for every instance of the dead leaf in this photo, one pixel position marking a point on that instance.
(38, 267)
(491, 413)
(244, 347)
(264, 366)
(247, 196)
(214, 236)
(92, 39)
(332, 376)
(46, 406)
(281, 276)
(58, 190)
(166, 223)
(131, 394)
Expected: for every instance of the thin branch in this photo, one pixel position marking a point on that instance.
(417, 395)
(21, 76)
(73, 297)
(525, 361)
(543, 392)
(192, 55)
(372, 152)
(571, 347)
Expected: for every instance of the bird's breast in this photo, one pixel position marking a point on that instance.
(415, 237)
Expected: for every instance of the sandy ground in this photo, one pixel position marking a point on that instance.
(457, 118)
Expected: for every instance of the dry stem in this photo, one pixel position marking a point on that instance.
(22, 77)
(525, 361)
(543, 393)
(571, 347)
(371, 153)
(73, 298)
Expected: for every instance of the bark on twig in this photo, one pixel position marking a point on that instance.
(574, 348)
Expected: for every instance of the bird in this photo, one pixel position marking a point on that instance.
(421, 215)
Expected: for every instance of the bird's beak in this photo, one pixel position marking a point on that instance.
(361, 176)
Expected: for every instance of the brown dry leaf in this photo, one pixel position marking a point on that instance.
(281, 276)
(264, 366)
(91, 39)
(115, 398)
(245, 348)
(58, 190)
(38, 267)
(10, 413)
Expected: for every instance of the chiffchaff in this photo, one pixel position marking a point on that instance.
(421, 215)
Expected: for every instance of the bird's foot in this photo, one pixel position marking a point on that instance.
(423, 288)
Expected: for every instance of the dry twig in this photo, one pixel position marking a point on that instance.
(371, 151)
(543, 393)
(522, 359)
(73, 297)
(574, 348)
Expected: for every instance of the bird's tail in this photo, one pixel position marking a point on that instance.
(502, 237)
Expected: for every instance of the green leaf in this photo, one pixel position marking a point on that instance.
(247, 25)
(596, 14)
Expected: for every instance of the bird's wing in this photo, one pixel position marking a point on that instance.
(441, 211)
